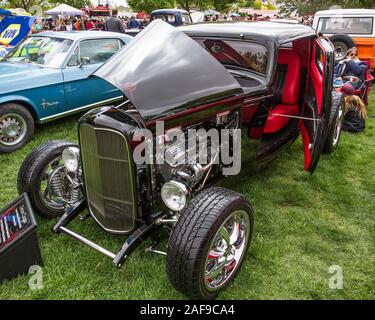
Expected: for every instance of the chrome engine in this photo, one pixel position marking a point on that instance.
(192, 158)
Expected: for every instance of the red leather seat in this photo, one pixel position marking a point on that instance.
(286, 93)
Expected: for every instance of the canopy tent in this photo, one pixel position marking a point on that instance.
(64, 10)
(211, 12)
(197, 16)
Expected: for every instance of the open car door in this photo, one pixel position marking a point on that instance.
(318, 102)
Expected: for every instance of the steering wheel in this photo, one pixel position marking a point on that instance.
(352, 79)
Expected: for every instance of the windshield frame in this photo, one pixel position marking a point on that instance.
(67, 53)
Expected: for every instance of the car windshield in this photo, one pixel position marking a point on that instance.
(44, 51)
(346, 25)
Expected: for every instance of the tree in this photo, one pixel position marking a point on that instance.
(303, 7)
(78, 4)
(24, 4)
(150, 5)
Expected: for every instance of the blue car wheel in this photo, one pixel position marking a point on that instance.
(16, 127)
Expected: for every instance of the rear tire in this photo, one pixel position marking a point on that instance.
(201, 258)
(16, 127)
(33, 174)
(335, 123)
(342, 43)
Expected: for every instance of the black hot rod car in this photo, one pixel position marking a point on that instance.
(272, 80)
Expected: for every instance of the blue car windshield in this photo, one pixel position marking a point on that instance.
(44, 51)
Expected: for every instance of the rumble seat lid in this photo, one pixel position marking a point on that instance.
(163, 71)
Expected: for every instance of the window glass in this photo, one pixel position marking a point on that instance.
(73, 61)
(99, 50)
(319, 59)
(170, 18)
(347, 25)
(186, 19)
(238, 54)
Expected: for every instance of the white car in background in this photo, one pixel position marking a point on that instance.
(348, 28)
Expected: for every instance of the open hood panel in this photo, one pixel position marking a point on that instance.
(163, 71)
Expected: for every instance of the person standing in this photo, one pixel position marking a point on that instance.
(114, 24)
(89, 25)
(134, 24)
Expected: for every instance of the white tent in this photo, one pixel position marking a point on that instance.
(64, 10)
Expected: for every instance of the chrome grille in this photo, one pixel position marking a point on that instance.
(108, 174)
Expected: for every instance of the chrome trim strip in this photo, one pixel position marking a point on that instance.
(65, 113)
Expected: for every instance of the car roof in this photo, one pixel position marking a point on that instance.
(76, 35)
(275, 32)
(169, 11)
(346, 12)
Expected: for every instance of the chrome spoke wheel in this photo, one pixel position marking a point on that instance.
(55, 186)
(227, 250)
(49, 198)
(338, 125)
(13, 129)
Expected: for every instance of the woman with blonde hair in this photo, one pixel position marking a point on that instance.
(354, 110)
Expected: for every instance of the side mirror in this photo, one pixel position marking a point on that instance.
(84, 60)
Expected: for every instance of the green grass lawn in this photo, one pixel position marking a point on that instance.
(304, 225)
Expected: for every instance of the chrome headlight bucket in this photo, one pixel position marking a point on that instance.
(175, 195)
(71, 159)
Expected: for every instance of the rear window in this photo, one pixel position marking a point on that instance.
(238, 54)
(169, 18)
(346, 25)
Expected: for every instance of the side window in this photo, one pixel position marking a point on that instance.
(73, 61)
(186, 19)
(238, 54)
(100, 50)
(97, 51)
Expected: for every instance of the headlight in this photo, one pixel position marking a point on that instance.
(70, 157)
(175, 195)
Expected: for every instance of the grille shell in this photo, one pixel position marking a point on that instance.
(109, 178)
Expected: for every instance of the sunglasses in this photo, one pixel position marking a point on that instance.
(354, 54)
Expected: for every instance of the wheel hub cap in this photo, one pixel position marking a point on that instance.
(227, 250)
(12, 129)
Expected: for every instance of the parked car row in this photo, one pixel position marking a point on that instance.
(273, 81)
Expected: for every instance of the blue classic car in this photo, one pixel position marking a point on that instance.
(48, 76)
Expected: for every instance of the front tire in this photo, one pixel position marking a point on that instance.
(34, 175)
(16, 127)
(207, 246)
(335, 123)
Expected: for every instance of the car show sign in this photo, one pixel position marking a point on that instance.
(12, 30)
(19, 247)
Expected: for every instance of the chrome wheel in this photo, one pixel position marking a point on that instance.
(13, 129)
(340, 50)
(57, 187)
(227, 250)
(338, 125)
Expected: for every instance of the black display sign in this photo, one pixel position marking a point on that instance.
(19, 247)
